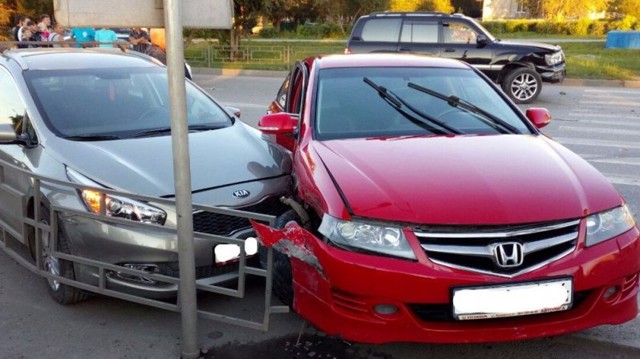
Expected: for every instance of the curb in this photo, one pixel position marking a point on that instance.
(276, 73)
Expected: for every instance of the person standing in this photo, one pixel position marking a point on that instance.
(16, 31)
(139, 39)
(57, 35)
(82, 36)
(105, 37)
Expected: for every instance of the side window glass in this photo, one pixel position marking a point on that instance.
(381, 30)
(458, 33)
(420, 32)
(12, 110)
(284, 91)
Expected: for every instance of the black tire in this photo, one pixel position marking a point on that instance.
(522, 85)
(61, 293)
(282, 275)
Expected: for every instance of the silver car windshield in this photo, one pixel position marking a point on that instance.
(104, 104)
(349, 107)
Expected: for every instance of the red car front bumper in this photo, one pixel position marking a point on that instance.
(337, 291)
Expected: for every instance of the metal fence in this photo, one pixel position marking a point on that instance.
(14, 244)
(263, 57)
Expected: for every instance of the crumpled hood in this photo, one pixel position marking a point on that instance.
(502, 179)
(145, 165)
(540, 45)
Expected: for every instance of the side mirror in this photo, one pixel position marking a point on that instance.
(278, 123)
(234, 111)
(539, 116)
(7, 134)
(482, 40)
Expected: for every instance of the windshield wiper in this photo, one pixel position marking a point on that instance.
(92, 137)
(167, 129)
(397, 103)
(453, 101)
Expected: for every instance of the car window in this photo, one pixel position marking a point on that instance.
(347, 107)
(283, 92)
(116, 102)
(458, 33)
(387, 30)
(12, 109)
(419, 32)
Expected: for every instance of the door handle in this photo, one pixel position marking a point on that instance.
(449, 50)
(404, 49)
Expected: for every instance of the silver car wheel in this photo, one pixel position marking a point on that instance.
(50, 263)
(524, 86)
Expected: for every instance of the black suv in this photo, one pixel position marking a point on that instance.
(518, 67)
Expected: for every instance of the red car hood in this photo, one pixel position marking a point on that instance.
(503, 179)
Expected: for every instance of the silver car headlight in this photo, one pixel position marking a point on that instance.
(387, 240)
(608, 224)
(116, 206)
(554, 59)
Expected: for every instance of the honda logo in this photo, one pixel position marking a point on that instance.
(509, 255)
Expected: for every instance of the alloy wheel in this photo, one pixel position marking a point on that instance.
(524, 86)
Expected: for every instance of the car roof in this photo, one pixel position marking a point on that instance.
(387, 59)
(77, 58)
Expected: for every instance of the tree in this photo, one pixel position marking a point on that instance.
(626, 7)
(421, 5)
(561, 9)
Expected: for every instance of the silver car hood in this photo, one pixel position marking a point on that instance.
(145, 165)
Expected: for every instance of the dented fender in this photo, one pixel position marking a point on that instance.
(294, 241)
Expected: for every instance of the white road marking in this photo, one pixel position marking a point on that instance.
(601, 130)
(597, 143)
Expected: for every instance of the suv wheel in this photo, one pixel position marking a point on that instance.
(522, 85)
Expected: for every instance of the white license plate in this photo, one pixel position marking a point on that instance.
(512, 300)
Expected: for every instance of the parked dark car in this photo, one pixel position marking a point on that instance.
(431, 209)
(519, 67)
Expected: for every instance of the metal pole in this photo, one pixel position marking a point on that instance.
(182, 177)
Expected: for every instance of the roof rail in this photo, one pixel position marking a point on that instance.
(405, 13)
(18, 59)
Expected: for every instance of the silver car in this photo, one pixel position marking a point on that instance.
(100, 118)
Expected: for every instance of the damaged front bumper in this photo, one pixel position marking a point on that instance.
(374, 299)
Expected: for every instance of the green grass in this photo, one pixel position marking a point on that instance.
(586, 60)
(591, 60)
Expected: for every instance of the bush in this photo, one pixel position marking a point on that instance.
(579, 28)
(626, 23)
(598, 28)
(495, 27)
(268, 33)
(517, 26)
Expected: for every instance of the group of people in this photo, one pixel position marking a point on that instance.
(45, 34)
(28, 33)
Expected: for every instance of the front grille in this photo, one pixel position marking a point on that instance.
(505, 251)
(226, 225)
(444, 312)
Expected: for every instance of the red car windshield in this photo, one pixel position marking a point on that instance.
(348, 104)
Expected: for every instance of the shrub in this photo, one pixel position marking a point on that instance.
(579, 28)
(598, 28)
(495, 27)
(268, 32)
(626, 23)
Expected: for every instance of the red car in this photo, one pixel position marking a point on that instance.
(429, 208)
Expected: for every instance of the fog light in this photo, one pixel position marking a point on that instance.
(386, 309)
(610, 292)
(151, 268)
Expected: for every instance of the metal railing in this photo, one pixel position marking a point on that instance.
(256, 56)
(13, 242)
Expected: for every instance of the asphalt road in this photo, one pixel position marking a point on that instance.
(600, 124)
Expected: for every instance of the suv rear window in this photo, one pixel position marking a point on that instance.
(382, 30)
